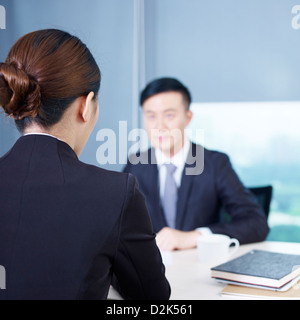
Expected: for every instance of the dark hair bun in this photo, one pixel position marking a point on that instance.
(20, 95)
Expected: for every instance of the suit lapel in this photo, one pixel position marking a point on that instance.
(156, 212)
(193, 167)
(183, 195)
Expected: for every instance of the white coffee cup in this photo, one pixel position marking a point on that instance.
(215, 248)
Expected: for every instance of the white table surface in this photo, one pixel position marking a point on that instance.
(190, 279)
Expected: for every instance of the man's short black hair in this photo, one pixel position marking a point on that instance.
(165, 85)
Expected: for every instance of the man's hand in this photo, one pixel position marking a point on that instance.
(169, 239)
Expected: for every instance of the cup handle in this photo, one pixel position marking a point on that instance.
(236, 246)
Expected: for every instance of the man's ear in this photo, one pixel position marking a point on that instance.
(189, 117)
(86, 108)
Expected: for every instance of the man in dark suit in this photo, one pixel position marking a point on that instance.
(185, 184)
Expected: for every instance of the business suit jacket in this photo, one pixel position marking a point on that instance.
(66, 227)
(208, 182)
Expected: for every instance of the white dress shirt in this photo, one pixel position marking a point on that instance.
(179, 160)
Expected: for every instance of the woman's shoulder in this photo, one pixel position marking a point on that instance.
(101, 173)
(112, 180)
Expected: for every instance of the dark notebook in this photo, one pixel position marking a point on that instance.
(259, 267)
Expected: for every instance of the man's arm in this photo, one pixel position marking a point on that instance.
(248, 221)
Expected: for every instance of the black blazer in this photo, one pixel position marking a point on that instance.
(66, 227)
(213, 184)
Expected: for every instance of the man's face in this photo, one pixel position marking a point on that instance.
(166, 117)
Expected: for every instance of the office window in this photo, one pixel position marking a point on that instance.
(262, 140)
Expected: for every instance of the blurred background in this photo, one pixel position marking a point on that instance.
(240, 60)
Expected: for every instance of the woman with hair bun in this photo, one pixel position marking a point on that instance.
(67, 229)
